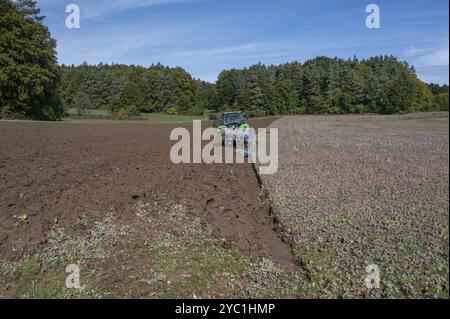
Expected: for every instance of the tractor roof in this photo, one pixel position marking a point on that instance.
(237, 112)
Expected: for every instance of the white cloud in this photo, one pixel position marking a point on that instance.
(436, 55)
(435, 58)
(119, 43)
(431, 61)
(414, 52)
(433, 74)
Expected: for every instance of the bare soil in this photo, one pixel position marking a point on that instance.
(54, 173)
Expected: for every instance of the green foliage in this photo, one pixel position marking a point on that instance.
(334, 110)
(440, 101)
(30, 269)
(361, 109)
(324, 85)
(147, 107)
(131, 95)
(29, 74)
(437, 89)
(81, 102)
(257, 113)
(172, 111)
(123, 114)
(319, 86)
(127, 112)
(153, 89)
(424, 97)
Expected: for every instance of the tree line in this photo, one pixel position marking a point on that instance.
(33, 85)
(380, 84)
(132, 89)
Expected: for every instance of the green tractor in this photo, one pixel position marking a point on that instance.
(233, 126)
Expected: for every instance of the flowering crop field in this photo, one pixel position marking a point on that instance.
(353, 191)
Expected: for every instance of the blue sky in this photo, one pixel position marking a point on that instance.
(208, 36)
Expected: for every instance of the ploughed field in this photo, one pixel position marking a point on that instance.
(108, 199)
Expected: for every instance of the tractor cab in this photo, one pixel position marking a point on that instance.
(234, 128)
(232, 120)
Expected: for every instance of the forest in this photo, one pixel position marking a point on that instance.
(33, 85)
(134, 89)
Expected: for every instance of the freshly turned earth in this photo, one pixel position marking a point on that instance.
(57, 173)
